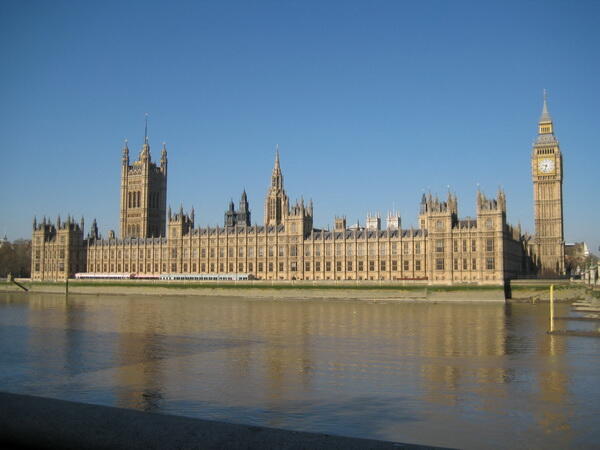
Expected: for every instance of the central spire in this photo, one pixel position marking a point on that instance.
(545, 117)
(146, 130)
(545, 125)
(277, 158)
(277, 177)
(145, 153)
(276, 203)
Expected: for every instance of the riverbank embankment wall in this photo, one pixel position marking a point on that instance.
(516, 290)
(475, 293)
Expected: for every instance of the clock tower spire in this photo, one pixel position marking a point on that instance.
(547, 175)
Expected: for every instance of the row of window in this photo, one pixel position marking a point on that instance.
(490, 264)
(133, 230)
(280, 250)
(439, 245)
(134, 199)
(38, 240)
(463, 264)
(293, 266)
(222, 267)
(51, 253)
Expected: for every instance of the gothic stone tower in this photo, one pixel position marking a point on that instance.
(143, 194)
(547, 174)
(243, 214)
(276, 203)
(240, 217)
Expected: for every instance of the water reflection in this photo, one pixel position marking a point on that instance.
(410, 372)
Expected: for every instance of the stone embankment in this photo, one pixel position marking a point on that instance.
(515, 291)
(539, 291)
(264, 289)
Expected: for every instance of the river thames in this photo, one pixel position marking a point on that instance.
(457, 375)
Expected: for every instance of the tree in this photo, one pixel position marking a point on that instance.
(15, 258)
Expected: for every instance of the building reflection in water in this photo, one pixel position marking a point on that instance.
(379, 369)
(141, 375)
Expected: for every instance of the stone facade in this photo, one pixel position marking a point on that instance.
(58, 250)
(443, 249)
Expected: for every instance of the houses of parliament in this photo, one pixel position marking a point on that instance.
(442, 249)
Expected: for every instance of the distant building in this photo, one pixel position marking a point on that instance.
(442, 249)
(577, 257)
(577, 250)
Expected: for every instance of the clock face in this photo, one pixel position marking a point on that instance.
(546, 165)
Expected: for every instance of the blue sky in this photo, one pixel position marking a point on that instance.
(370, 102)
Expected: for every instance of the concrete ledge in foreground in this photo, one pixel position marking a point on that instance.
(36, 422)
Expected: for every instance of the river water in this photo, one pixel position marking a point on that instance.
(458, 375)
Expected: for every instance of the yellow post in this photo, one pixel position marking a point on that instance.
(551, 308)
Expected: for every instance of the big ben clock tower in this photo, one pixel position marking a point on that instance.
(547, 174)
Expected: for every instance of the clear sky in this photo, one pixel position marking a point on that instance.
(371, 103)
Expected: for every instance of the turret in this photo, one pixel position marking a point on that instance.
(452, 202)
(374, 221)
(93, 234)
(163, 158)
(501, 199)
(244, 202)
(491, 212)
(125, 158)
(436, 214)
(145, 152)
(230, 216)
(243, 215)
(393, 220)
(340, 223)
(180, 224)
(299, 220)
(491, 204)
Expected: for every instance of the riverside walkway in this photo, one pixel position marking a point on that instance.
(36, 422)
